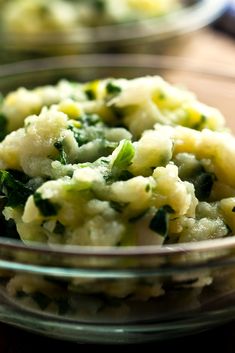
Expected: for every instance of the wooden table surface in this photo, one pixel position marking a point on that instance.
(210, 46)
(205, 47)
(214, 50)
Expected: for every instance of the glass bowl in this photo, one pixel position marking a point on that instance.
(163, 34)
(78, 293)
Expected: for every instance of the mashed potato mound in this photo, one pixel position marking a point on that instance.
(115, 162)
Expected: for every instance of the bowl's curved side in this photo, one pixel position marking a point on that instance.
(131, 294)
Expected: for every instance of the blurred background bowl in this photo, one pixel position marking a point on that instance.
(161, 34)
(84, 294)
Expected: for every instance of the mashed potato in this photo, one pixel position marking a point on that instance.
(94, 163)
(113, 163)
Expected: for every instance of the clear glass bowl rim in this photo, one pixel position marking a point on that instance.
(121, 61)
(184, 20)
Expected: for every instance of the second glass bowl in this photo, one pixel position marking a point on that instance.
(163, 34)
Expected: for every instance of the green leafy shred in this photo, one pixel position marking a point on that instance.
(90, 94)
(62, 154)
(203, 184)
(125, 175)
(99, 5)
(159, 222)
(91, 128)
(3, 126)
(118, 206)
(112, 88)
(46, 207)
(90, 119)
(168, 209)
(161, 95)
(147, 188)
(125, 153)
(197, 175)
(15, 190)
(200, 124)
(44, 10)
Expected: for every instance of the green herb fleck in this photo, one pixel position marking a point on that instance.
(90, 119)
(44, 10)
(15, 191)
(119, 113)
(62, 154)
(91, 128)
(124, 155)
(203, 118)
(118, 206)
(168, 209)
(3, 126)
(90, 94)
(159, 223)
(46, 207)
(161, 96)
(79, 135)
(200, 123)
(104, 161)
(125, 175)
(147, 188)
(203, 184)
(99, 5)
(112, 88)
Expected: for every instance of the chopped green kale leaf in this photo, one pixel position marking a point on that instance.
(90, 119)
(62, 154)
(159, 223)
(118, 206)
(168, 209)
(90, 94)
(203, 184)
(112, 88)
(125, 175)
(3, 126)
(15, 191)
(99, 5)
(46, 207)
(125, 154)
(91, 128)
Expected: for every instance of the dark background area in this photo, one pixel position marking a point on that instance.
(221, 340)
